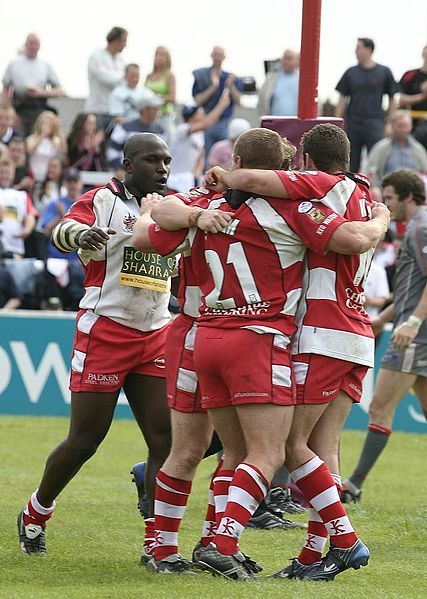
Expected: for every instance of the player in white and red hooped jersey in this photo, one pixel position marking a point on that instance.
(342, 318)
(120, 329)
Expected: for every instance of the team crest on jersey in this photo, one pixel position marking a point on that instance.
(198, 191)
(128, 222)
(316, 214)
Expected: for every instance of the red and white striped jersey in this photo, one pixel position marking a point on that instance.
(129, 286)
(166, 242)
(331, 318)
(250, 274)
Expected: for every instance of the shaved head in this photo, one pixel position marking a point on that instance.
(32, 45)
(141, 142)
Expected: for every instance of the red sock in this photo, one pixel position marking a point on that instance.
(317, 535)
(317, 484)
(221, 482)
(169, 508)
(149, 537)
(247, 489)
(209, 525)
(35, 513)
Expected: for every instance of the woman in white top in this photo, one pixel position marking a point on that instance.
(46, 142)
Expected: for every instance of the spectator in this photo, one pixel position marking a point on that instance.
(46, 142)
(209, 83)
(365, 84)
(125, 97)
(23, 179)
(162, 82)
(278, 95)
(188, 156)
(398, 151)
(105, 70)
(85, 143)
(376, 289)
(28, 83)
(413, 85)
(17, 219)
(7, 119)
(68, 286)
(148, 113)
(10, 296)
(221, 152)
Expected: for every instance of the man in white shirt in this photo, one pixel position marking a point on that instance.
(106, 69)
(125, 98)
(28, 83)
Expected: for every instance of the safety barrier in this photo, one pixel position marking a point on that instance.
(35, 350)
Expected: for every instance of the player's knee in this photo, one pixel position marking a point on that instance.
(83, 448)
(379, 410)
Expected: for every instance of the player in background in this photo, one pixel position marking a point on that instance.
(120, 330)
(403, 365)
(334, 344)
(261, 286)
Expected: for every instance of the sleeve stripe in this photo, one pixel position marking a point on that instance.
(64, 235)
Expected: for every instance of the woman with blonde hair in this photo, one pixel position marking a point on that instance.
(46, 142)
(162, 82)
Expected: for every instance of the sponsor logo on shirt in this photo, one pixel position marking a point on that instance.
(145, 270)
(251, 309)
(160, 362)
(305, 207)
(355, 301)
(198, 191)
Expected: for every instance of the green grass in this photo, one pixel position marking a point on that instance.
(94, 539)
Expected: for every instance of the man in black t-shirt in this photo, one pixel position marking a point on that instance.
(364, 84)
(413, 96)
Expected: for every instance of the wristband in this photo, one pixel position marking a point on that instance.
(194, 216)
(414, 322)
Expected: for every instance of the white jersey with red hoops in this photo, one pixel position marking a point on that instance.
(331, 318)
(126, 285)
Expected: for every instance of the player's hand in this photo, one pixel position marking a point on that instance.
(149, 201)
(214, 221)
(380, 210)
(214, 179)
(95, 238)
(403, 335)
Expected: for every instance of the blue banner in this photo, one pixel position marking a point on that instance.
(35, 350)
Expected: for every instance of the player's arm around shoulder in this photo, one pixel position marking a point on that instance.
(257, 181)
(173, 214)
(357, 237)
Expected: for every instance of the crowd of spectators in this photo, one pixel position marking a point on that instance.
(43, 167)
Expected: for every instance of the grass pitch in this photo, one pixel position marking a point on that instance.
(94, 539)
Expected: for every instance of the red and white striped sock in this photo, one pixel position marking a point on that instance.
(209, 525)
(149, 537)
(35, 513)
(222, 482)
(247, 489)
(169, 507)
(318, 486)
(317, 535)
